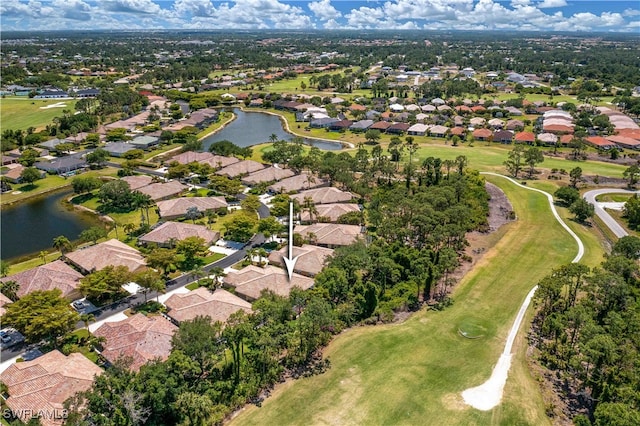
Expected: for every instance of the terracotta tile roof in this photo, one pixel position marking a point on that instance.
(252, 280)
(240, 168)
(357, 107)
(139, 337)
(159, 191)
(191, 157)
(178, 206)
(138, 181)
(298, 182)
(565, 139)
(310, 261)
(219, 161)
(525, 137)
(478, 108)
(330, 211)
(42, 385)
(330, 234)
(625, 141)
(111, 252)
(179, 231)
(482, 133)
(53, 275)
(323, 195)
(4, 300)
(218, 305)
(457, 131)
(380, 125)
(600, 142)
(270, 174)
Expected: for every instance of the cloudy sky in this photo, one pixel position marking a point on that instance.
(551, 15)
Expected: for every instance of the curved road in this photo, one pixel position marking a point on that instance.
(615, 227)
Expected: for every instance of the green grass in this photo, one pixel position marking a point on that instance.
(613, 198)
(406, 373)
(193, 286)
(20, 113)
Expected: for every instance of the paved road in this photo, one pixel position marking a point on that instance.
(615, 227)
(136, 299)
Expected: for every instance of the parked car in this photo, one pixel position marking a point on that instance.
(4, 337)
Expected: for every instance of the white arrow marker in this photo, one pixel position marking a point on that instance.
(290, 262)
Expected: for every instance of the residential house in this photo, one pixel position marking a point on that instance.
(398, 128)
(503, 136)
(496, 123)
(329, 234)
(322, 123)
(136, 182)
(144, 142)
(190, 157)
(138, 339)
(418, 129)
(457, 131)
(477, 121)
(218, 305)
(51, 144)
(163, 190)
(13, 172)
(361, 126)
(62, 164)
(240, 168)
(340, 125)
(328, 212)
(478, 109)
(177, 207)
(111, 252)
(296, 183)
(382, 126)
(219, 161)
(45, 383)
(4, 301)
(250, 282)
(168, 233)
(525, 137)
(50, 276)
(311, 259)
(599, 142)
(438, 131)
(482, 134)
(624, 142)
(270, 174)
(117, 149)
(548, 138)
(515, 125)
(326, 195)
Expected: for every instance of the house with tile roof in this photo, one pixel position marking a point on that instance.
(418, 129)
(251, 281)
(299, 182)
(138, 338)
(311, 259)
(329, 212)
(4, 300)
(218, 305)
(177, 207)
(45, 383)
(169, 232)
(190, 157)
(270, 174)
(101, 255)
(482, 134)
(438, 131)
(525, 137)
(326, 195)
(240, 168)
(163, 190)
(503, 136)
(219, 161)
(136, 182)
(599, 142)
(329, 235)
(624, 141)
(54, 275)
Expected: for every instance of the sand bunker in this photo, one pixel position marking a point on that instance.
(56, 105)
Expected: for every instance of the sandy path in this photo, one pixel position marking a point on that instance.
(489, 394)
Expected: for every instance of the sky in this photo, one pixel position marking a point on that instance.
(524, 15)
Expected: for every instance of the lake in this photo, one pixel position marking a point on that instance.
(30, 226)
(254, 128)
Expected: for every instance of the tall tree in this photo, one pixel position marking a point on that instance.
(515, 161)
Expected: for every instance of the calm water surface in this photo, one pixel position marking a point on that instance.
(30, 226)
(253, 128)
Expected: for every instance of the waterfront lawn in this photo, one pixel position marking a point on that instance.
(406, 373)
(20, 113)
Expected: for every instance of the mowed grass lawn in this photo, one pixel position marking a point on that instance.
(413, 373)
(18, 113)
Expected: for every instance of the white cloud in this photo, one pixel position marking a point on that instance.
(631, 12)
(324, 10)
(552, 3)
(131, 6)
(76, 10)
(194, 8)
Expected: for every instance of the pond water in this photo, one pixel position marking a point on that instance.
(253, 128)
(30, 226)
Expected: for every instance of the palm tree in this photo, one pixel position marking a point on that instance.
(10, 289)
(62, 243)
(310, 206)
(309, 180)
(261, 252)
(129, 228)
(216, 273)
(251, 252)
(273, 138)
(198, 273)
(143, 201)
(86, 319)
